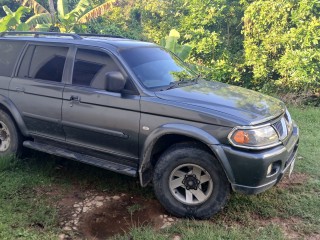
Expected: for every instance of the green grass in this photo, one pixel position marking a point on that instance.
(308, 120)
(27, 214)
(205, 230)
(22, 216)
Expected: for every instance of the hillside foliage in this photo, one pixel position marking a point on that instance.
(259, 44)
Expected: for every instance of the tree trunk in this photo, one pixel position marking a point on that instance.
(51, 8)
(52, 13)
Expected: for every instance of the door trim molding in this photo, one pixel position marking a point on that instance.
(95, 129)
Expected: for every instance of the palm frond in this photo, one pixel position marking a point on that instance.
(7, 10)
(43, 18)
(81, 7)
(96, 12)
(62, 7)
(184, 52)
(20, 13)
(22, 27)
(37, 7)
(7, 23)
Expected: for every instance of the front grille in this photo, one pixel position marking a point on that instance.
(279, 128)
(284, 126)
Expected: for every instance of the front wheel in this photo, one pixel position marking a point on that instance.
(190, 182)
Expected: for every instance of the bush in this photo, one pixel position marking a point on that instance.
(282, 43)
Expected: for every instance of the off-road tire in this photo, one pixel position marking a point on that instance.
(184, 155)
(10, 137)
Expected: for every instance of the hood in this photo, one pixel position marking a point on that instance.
(240, 103)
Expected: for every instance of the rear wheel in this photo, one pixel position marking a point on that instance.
(189, 182)
(10, 138)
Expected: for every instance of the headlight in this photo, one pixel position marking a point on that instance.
(254, 138)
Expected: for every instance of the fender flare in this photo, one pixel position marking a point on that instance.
(145, 170)
(13, 110)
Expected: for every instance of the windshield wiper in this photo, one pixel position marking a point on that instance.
(183, 82)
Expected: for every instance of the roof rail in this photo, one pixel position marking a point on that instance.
(37, 34)
(99, 35)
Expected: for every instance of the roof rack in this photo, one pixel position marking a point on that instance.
(37, 34)
(99, 35)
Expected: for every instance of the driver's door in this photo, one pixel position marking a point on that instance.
(93, 118)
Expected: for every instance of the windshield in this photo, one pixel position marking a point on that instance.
(155, 67)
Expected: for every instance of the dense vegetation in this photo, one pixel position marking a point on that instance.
(260, 44)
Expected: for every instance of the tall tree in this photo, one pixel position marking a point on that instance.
(65, 20)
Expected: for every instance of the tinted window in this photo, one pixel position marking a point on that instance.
(9, 52)
(156, 67)
(90, 68)
(26, 63)
(43, 62)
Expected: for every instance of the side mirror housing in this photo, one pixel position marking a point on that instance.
(115, 81)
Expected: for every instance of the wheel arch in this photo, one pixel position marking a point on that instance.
(8, 106)
(166, 135)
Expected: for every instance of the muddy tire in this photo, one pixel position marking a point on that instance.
(190, 182)
(10, 137)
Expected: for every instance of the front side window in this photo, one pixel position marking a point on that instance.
(156, 67)
(43, 62)
(9, 52)
(91, 67)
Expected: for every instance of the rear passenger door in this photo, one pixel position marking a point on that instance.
(104, 122)
(37, 89)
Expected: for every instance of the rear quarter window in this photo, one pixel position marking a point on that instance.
(44, 63)
(9, 52)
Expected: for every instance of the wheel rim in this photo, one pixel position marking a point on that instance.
(4, 137)
(190, 184)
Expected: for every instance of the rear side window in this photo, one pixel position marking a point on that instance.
(43, 62)
(9, 52)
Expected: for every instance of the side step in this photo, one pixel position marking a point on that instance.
(99, 162)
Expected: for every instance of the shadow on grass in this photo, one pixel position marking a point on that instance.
(70, 173)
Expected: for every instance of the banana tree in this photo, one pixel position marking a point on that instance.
(12, 20)
(171, 43)
(66, 20)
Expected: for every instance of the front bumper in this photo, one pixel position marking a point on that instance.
(247, 170)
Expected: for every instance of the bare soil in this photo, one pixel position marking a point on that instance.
(286, 225)
(118, 217)
(295, 179)
(98, 215)
(90, 214)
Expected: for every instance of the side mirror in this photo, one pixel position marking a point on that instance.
(115, 81)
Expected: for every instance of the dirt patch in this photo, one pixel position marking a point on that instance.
(91, 214)
(295, 179)
(97, 215)
(119, 216)
(287, 225)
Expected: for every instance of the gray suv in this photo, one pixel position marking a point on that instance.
(134, 108)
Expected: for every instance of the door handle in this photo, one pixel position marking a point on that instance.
(75, 98)
(20, 89)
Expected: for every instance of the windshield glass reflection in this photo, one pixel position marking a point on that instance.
(155, 67)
